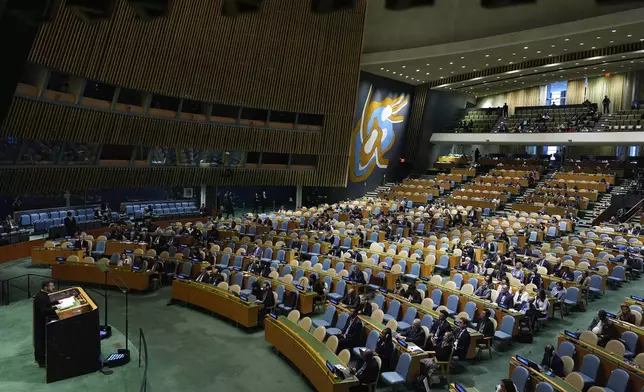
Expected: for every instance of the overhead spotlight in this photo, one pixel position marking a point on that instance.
(398, 5)
(326, 6)
(504, 3)
(91, 10)
(239, 7)
(149, 9)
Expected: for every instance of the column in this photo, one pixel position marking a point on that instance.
(298, 196)
(202, 197)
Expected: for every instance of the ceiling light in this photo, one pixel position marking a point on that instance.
(593, 47)
(498, 77)
(440, 69)
(407, 77)
(641, 39)
(462, 57)
(427, 73)
(452, 72)
(550, 55)
(581, 43)
(552, 46)
(614, 31)
(474, 70)
(441, 77)
(418, 70)
(511, 63)
(599, 37)
(499, 59)
(381, 69)
(538, 51)
(451, 62)
(487, 55)
(603, 70)
(487, 65)
(623, 56)
(611, 42)
(567, 39)
(387, 70)
(404, 66)
(565, 50)
(428, 65)
(586, 68)
(394, 72)
(629, 35)
(525, 47)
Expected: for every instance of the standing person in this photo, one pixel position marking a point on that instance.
(70, 225)
(606, 104)
(256, 203)
(43, 312)
(264, 199)
(505, 110)
(477, 155)
(204, 210)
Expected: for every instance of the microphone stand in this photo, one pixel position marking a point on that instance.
(105, 329)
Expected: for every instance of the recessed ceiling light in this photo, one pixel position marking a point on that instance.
(567, 39)
(550, 55)
(538, 51)
(498, 77)
(418, 70)
(552, 46)
(586, 68)
(603, 70)
(599, 37)
(381, 69)
(487, 55)
(499, 59)
(593, 47)
(394, 72)
(428, 65)
(387, 70)
(427, 73)
(441, 77)
(440, 69)
(511, 62)
(404, 66)
(611, 42)
(565, 50)
(452, 72)
(451, 62)
(407, 77)
(487, 65)
(581, 43)
(641, 39)
(462, 66)
(629, 35)
(462, 57)
(614, 31)
(632, 62)
(576, 63)
(474, 70)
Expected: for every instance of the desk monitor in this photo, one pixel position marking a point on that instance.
(183, 246)
(243, 298)
(593, 268)
(402, 343)
(128, 250)
(460, 388)
(571, 334)
(346, 278)
(611, 315)
(181, 277)
(61, 259)
(195, 259)
(528, 363)
(426, 280)
(236, 268)
(503, 306)
(330, 367)
(297, 286)
(636, 298)
(383, 290)
(273, 315)
(333, 301)
(136, 267)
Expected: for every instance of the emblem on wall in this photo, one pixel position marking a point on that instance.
(374, 135)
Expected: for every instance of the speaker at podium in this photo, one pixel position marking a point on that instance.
(73, 341)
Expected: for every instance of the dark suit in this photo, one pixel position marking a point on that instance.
(43, 312)
(469, 267)
(439, 328)
(357, 277)
(70, 226)
(415, 336)
(554, 363)
(351, 301)
(505, 299)
(462, 342)
(536, 280)
(351, 335)
(483, 292)
(203, 277)
(486, 328)
(367, 374)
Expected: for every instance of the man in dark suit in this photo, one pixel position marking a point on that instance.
(352, 300)
(367, 374)
(70, 224)
(535, 278)
(467, 265)
(43, 312)
(357, 275)
(415, 334)
(205, 276)
(552, 361)
(486, 326)
(483, 291)
(267, 300)
(438, 330)
(461, 339)
(352, 333)
(504, 298)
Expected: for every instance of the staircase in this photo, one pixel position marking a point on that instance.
(382, 188)
(621, 188)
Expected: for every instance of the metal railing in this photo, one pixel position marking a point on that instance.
(7, 285)
(143, 352)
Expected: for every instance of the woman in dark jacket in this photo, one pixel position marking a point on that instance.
(385, 349)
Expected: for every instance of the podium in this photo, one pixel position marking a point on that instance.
(73, 341)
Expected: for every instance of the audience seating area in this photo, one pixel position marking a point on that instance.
(162, 209)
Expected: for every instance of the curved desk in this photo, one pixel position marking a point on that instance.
(307, 353)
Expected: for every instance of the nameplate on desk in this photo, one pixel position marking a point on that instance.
(273, 315)
(195, 259)
(128, 250)
(243, 298)
(297, 286)
(636, 298)
(424, 279)
(386, 267)
(236, 268)
(181, 276)
(402, 343)
(384, 291)
(459, 388)
(571, 334)
(523, 360)
(333, 301)
(593, 268)
(610, 315)
(136, 267)
(330, 366)
(60, 259)
(346, 278)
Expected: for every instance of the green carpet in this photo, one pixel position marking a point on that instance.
(192, 350)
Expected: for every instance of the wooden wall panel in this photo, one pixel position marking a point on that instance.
(415, 128)
(40, 120)
(283, 58)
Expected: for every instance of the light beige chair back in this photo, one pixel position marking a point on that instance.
(49, 244)
(436, 279)
(101, 238)
(274, 275)
(104, 261)
(568, 364)
(542, 270)
(164, 255)
(427, 303)
(317, 267)
(332, 343)
(463, 315)
(345, 357)
(319, 333)
(89, 260)
(639, 360)
(235, 289)
(392, 324)
(151, 253)
(65, 245)
(377, 315)
(305, 323)
(72, 259)
(467, 289)
(450, 285)
(494, 295)
(588, 337)
(595, 388)
(531, 287)
(638, 316)
(223, 285)
(288, 279)
(396, 269)
(616, 347)
(294, 315)
(575, 380)
(442, 307)
(139, 252)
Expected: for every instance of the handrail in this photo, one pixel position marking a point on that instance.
(5, 285)
(143, 349)
(633, 210)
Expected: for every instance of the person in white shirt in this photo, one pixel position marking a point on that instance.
(520, 296)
